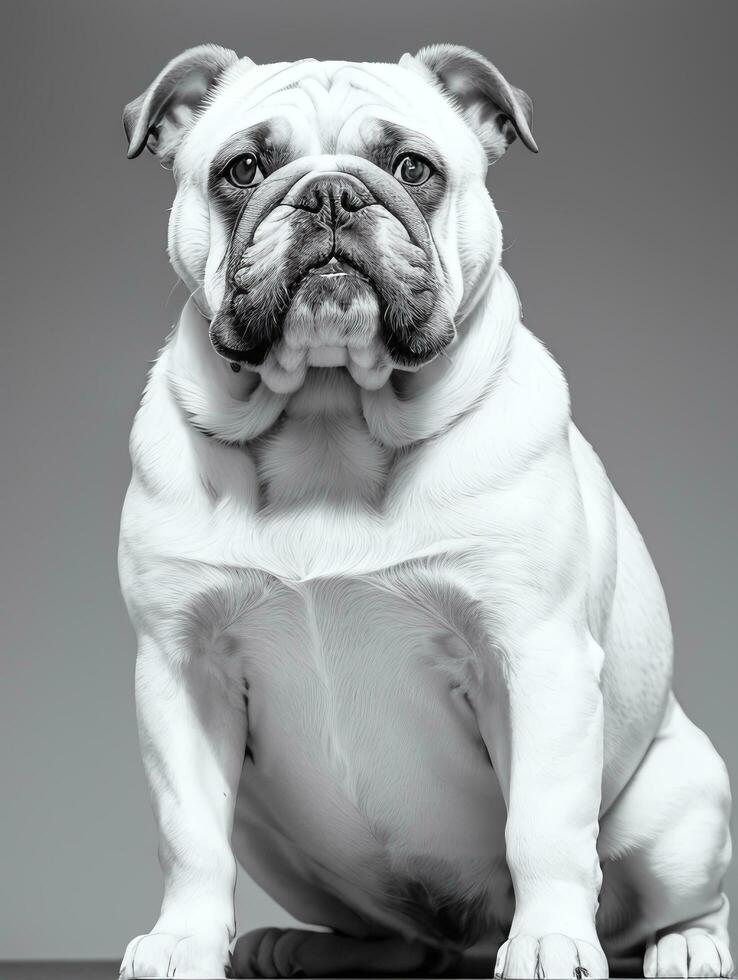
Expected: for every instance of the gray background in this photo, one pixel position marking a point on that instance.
(621, 238)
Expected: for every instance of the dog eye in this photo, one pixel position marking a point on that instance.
(412, 169)
(244, 171)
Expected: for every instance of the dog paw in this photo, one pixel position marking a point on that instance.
(553, 955)
(285, 953)
(687, 955)
(164, 954)
(269, 952)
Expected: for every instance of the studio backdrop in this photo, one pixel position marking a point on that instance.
(620, 236)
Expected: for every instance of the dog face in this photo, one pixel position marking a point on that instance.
(330, 213)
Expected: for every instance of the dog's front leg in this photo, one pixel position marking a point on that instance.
(543, 726)
(193, 736)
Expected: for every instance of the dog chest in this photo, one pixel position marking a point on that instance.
(357, 655)
(364, 750)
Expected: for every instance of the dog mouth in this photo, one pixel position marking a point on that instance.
(336, 268)
(333, 320)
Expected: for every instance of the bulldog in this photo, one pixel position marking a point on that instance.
(402, 652)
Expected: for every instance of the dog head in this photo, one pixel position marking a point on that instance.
(331, 213)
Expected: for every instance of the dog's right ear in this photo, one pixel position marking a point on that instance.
(160, 116)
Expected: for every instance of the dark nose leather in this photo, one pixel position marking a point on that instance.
(333, 198)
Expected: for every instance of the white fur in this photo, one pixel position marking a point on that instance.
(406, 584)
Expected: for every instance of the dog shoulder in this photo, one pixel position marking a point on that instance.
(181, 481)
(176, 464)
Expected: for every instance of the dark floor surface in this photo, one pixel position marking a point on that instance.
(108, 969)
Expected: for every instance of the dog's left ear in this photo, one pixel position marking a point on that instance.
(495, 110)
(160, 116)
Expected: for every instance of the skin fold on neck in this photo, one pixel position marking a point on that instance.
(409, 408)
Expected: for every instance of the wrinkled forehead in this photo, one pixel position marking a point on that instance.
(324, 107)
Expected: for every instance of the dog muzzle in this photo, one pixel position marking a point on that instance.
(332, 268)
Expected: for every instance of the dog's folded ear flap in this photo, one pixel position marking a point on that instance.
(160, 116)
(495, 110)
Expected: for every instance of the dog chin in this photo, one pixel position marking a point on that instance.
(334, 320)
(330, 310)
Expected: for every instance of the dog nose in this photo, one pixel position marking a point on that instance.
(332, 197)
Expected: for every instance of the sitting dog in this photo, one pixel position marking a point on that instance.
(403, 654)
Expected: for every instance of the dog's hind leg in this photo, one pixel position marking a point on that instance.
(669, 838)
(300, 952)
